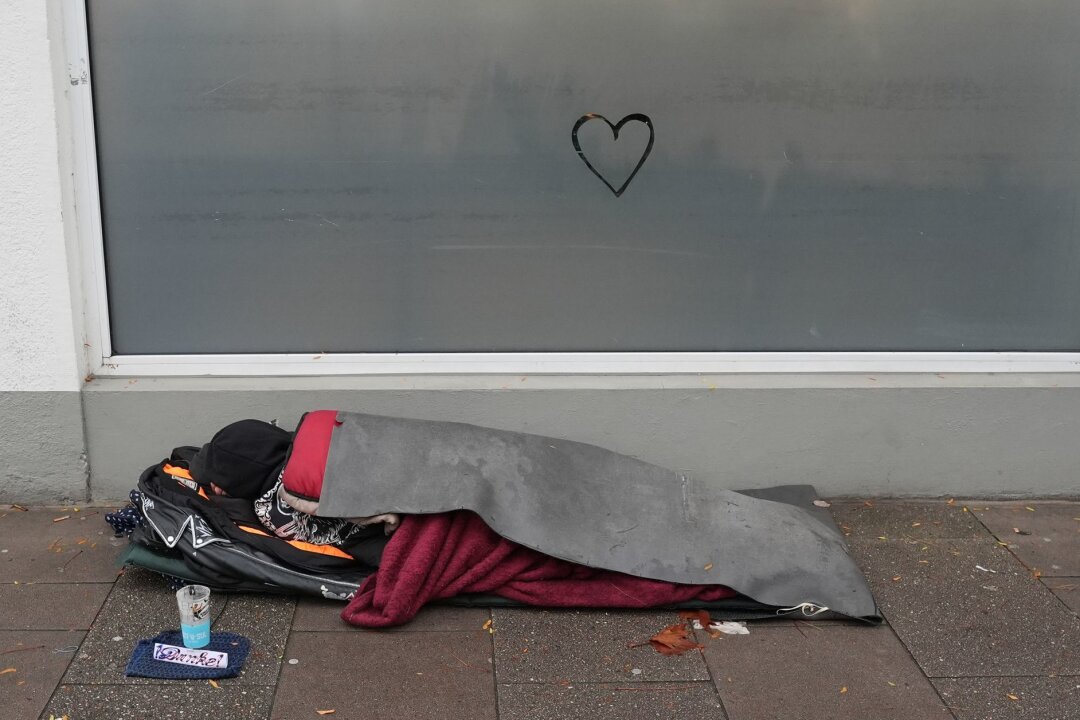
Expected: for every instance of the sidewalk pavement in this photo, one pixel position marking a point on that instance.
(981, 601)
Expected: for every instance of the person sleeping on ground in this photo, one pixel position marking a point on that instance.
(244, 510)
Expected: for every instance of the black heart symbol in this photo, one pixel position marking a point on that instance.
(639, 117)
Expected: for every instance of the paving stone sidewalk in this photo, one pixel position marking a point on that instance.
(981, 601)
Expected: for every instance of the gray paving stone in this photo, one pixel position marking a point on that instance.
(141, 606)
(686, 701)
(39, 658)
(51, 606)
(960, 621)
(387, 676)
(316, 615)
(901, 519)
(79, 549)
(988, 698)
(1053, 547)
(179, 701)
(264, 620)
(829, 671)
(587, 646)
(1067, 589)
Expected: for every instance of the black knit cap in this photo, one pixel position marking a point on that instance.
(243, 458)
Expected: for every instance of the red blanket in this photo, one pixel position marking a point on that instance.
(431, 557)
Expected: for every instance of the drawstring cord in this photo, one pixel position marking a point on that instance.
(808, 609)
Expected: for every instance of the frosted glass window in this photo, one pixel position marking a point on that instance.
(401, 176)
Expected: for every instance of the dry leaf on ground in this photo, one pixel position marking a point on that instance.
(674, 640)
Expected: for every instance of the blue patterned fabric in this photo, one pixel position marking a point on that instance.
(143, 664)
(124, 521)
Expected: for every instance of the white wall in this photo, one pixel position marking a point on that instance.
(37, 336)
(42, 446)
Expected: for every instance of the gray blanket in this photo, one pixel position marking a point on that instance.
(598, 508)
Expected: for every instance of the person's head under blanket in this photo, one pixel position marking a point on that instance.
(245, 460)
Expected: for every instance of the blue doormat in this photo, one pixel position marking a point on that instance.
(143, 664)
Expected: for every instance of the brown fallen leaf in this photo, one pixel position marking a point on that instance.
(5, 671)
(487, 625)
(1018, 531)
(61, 518)
(843, 690)
(326, 712)
(20, 508)
(916, 524)
(708, 567)
(896, 578)
(214, 684)
(673, 640)
(952, 501)
(1011, 696)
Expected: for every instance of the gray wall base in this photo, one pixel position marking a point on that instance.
(42, 452)
(902, 435)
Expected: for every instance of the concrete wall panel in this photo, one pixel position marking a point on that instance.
(41, 448)
(898, 436)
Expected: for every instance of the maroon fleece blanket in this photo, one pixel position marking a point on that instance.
(432, 557)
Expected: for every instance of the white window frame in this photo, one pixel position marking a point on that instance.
(103, 362)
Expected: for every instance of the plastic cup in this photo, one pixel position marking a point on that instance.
(194, 602)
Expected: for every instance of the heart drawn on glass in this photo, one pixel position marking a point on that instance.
(633, 117)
